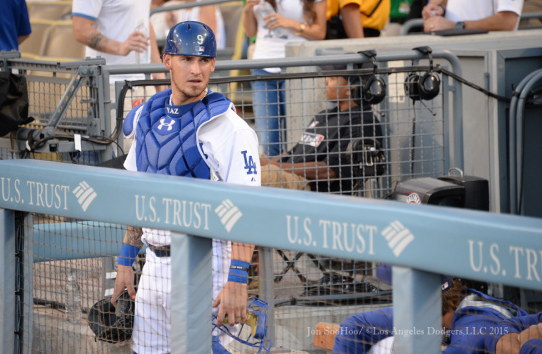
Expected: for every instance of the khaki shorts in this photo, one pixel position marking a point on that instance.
(273, 176)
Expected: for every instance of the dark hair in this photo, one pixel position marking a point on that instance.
(452, 296)
(308, 10)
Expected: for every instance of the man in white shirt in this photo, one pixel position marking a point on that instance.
(120, 32)
(487, 15)
(108, 29)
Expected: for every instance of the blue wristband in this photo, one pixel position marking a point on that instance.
(127, 254)
(239, 264)
(238, 271)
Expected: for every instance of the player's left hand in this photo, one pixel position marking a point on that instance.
(233, 302)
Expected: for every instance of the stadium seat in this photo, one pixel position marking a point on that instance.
(62, 43)
(49, 10)
(36, 43)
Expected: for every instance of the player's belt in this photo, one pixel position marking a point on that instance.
(163, 251)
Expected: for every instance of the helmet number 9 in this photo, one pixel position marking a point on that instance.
(200, 39)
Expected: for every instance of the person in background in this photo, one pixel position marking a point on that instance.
(210, 15)
(487, 319)
(290, 21)
(319, 161)
(356, 18)
(528, 341)
(400, 9)
(121, 33)
(115, 31)
(15, 24)
(487, 15)
(532, 6)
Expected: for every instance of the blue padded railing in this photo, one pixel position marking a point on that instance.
(422, 240)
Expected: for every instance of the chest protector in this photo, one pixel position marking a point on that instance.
(166, 138)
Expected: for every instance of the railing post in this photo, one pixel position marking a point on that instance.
(7, 280)
(417, 304)
(191, 289)
(267, 287)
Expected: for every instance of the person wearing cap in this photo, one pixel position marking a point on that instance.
(319, 161)
(528, 341)
(486, 318)
(186, 131)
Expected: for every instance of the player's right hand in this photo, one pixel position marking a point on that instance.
(136, 41)
(125, 280)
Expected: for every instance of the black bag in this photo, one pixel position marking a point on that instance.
(335, 28)
(13, 102)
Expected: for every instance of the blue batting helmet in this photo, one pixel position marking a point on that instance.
(191, 38)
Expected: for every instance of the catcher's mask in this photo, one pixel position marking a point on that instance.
(110, 324)
(257, 321)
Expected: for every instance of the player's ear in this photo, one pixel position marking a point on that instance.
(167, 61)
(213, 66)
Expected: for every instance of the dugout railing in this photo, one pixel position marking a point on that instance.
(467, 244)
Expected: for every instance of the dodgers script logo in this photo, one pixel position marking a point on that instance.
(250, 165)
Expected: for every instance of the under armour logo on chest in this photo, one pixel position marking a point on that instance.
(163, 123)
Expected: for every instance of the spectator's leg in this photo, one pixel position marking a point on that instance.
(273, 176)
(266, 107)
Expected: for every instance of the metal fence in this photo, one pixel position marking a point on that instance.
(71, 102)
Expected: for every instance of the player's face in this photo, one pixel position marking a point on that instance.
(189, 76)
(337, 88)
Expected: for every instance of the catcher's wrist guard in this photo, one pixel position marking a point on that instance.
(127, 255)
(238, 271)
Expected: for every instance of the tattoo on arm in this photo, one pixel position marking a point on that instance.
(133, 236)
(95, 41)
